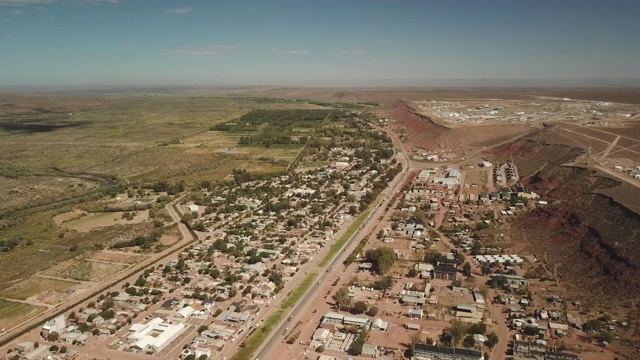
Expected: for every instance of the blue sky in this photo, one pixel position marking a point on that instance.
(323, 42)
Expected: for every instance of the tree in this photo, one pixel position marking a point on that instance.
(606, 336)
(359, 307)
(412, 272)
(469, 341)
(84, 327)
(467, 269)
(593, 324)
(202, 328)
(54, 348)
(53, 336)
(63, 349)
(384, 283)
(342, 298)
(373, 311)
(458, 330)
(478, 328)
(492, 340)
(530, 330)
(383, 258)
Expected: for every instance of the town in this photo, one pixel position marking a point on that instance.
(417, 267)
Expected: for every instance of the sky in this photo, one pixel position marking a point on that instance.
(319, 43)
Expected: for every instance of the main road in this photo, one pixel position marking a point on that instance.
(276, 337)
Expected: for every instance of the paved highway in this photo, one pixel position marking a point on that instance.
(276, 337)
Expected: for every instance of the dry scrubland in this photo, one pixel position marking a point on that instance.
(59, 153)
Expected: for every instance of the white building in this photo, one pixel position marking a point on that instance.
(185, 312)
(55, 325)
(154, 335)
(192, 207)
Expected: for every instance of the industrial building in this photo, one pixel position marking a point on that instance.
(154, 335)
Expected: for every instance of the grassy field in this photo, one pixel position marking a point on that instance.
(12, 313)
(298, 292)
(34, 286)
(255, 340)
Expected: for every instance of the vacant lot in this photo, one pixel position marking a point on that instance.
(12, 313)
(24, 191)
(99, 220)
(85, 270)
(34, 286)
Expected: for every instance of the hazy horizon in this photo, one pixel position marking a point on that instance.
(494, 43)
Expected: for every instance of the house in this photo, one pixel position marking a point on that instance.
(423, 267)
(55, 325)
(369, 351)
(185, 312)
(98, 321)
(429, 352)
(410, 326)
(414, 300)
(468, 313)
(359, 322)
(379, 324)
(332, 318)
(321, 335)
(192, 208)
(445, 273)
(41, 352)
(170, 303)
(416, 313)
(203, 352)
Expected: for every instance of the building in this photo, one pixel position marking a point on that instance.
(445, 273)
(203, 352)
(369, 350)
(523, 350)
(55, 325)
(154, 335)
(431, 352)
(185, 312)
(321, 335)
(379, 324)
(468, 313)
(414, 300)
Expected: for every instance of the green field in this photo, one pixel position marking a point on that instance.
(12, 313)
(255, 340)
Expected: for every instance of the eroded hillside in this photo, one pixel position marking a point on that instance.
(422, 132)
(590, 232)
